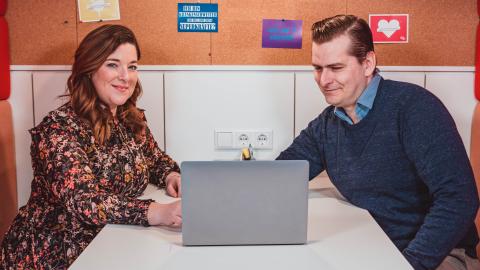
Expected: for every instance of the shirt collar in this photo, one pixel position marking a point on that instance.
(364, 103)
(368, 96)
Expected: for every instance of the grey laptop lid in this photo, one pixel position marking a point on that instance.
(244, 202)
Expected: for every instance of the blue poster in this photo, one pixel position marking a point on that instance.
(197, 17)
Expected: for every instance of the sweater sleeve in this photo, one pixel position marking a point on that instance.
(435, 148)
(308, 146)
(74, 185)
(159, 163)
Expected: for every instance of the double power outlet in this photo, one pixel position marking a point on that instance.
(237, 139)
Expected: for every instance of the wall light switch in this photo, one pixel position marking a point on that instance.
(223, 140)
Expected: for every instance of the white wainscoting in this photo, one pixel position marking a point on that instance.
(455, 90)
(152, 102)
(309, 101)
(21, 100)
(417, 78)
(198, 102)
(184, 104)
(48, 90)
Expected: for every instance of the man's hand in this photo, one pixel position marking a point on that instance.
(173, 183)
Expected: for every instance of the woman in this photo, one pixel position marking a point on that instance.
(92, 158)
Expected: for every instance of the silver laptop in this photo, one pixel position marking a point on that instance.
(244, 202)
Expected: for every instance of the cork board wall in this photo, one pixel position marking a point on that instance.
(46, 32)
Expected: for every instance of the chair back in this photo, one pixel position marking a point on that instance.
(8, 181)
(475, 157)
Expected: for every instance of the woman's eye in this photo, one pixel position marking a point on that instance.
(133, 67)
(112, 65)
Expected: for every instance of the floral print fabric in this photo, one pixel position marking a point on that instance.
(78, 187)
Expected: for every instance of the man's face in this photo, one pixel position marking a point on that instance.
(339, 75)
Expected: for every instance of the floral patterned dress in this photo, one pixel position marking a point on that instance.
(78, 187)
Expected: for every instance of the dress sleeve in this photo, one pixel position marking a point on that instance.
(159, 163)
(73, 184)
(435, 149)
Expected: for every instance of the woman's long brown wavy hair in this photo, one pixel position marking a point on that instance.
(92, 52)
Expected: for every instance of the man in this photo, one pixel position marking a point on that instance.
(391, 148)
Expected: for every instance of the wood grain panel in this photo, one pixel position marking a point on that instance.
(442, 32)
(239, 37)
(155, 26)
(42, 32)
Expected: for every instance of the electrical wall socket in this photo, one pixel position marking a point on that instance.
(258, 139)
(242, 139)
(263, 139)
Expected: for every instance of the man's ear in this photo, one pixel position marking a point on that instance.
(370, 63)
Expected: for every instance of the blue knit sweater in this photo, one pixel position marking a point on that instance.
(406, 164)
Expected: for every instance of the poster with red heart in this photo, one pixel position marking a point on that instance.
(389, 28)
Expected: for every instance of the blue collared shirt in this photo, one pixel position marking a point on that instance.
(364, 102)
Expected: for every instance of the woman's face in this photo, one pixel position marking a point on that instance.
(117, 77)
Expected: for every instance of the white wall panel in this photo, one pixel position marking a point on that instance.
(417, 78)
(309, 100)
(197, 103)
(21, 101)
(152, 102)
(455, 90)
(47, 87)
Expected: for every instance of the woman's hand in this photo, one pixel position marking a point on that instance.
(173, 183)
(165, 214)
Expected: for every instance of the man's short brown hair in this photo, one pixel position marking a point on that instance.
(355, 28)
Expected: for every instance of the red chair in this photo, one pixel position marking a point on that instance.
(8, 182)
(4, 55)
(475, 157)
(475, 139)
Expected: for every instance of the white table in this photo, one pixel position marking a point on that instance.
(340, 236)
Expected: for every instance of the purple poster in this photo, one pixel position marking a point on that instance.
(282, 34)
